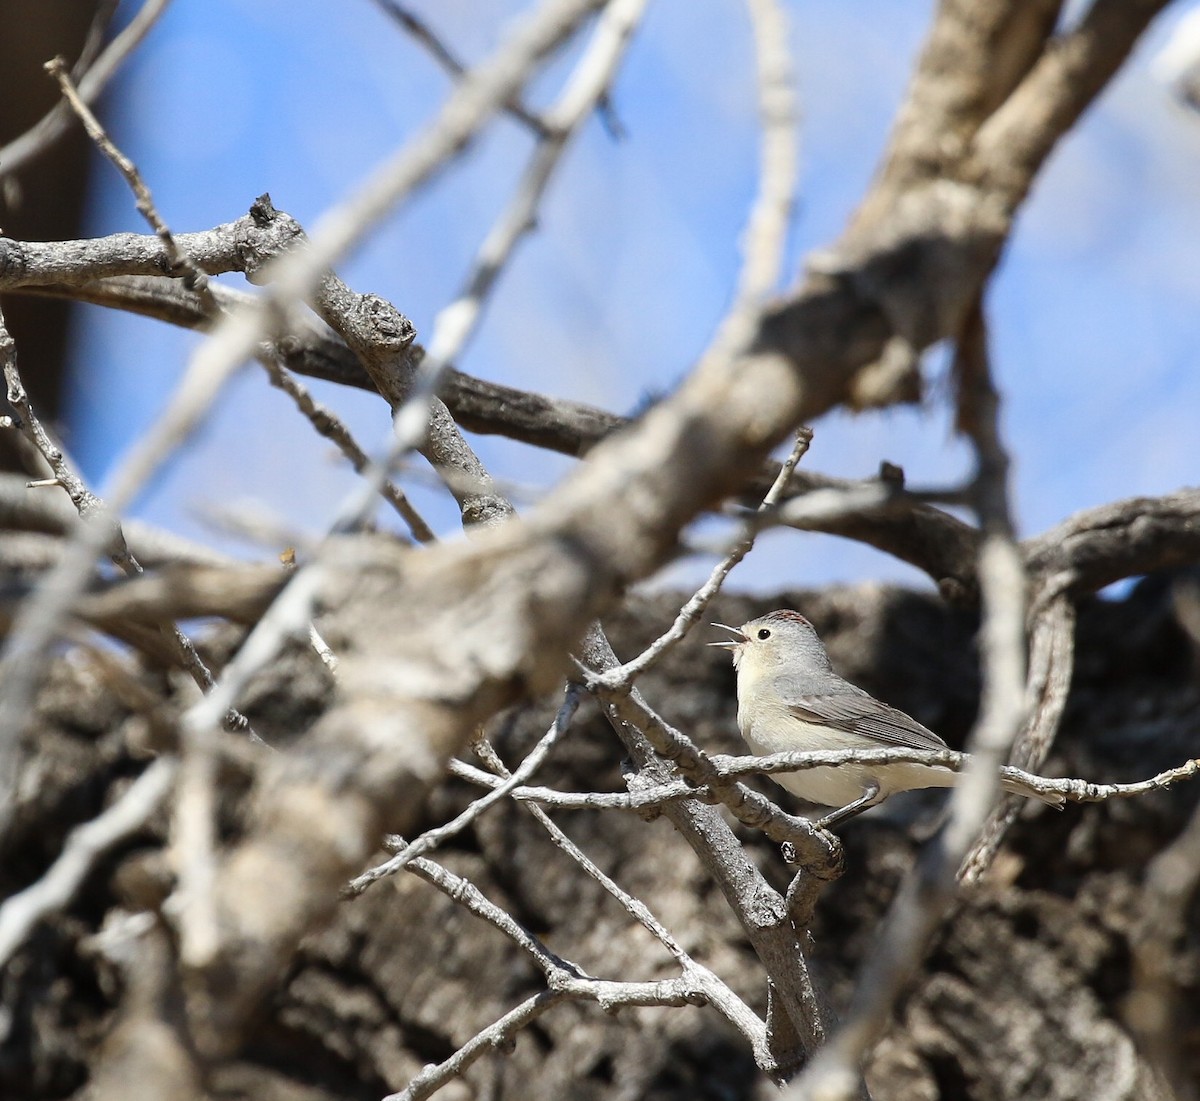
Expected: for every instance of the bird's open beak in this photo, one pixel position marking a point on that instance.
(732, 644)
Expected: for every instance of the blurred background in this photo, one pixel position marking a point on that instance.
(1095, 311)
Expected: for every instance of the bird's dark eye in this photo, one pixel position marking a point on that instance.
(764, 633)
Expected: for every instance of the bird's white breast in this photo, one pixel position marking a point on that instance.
(769, 727)
(772, 729)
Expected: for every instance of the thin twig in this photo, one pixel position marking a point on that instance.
(444, 56)
(1058, 789)
(563, 975)
(498, 1036)
(193, 831)
(815, 849)
(31, 636)
(715, 991)
(332, 428)
(694, 608)
(467, 895)
(84, 846)
(18, 152)
(235, 338)
(637, 909)
(457, 322)
(1071, 790)
(578, 800)
(180, 264)
(432, 838)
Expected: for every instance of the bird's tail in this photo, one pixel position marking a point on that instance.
(1017, 786)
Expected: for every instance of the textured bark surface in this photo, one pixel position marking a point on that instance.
(1021, 997)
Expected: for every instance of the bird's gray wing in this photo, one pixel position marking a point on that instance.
(866, 716)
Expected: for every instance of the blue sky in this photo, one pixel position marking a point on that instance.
(1096, 309)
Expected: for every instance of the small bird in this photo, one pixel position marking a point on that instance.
(789, 698)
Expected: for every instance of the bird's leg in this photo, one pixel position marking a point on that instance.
(871, 795)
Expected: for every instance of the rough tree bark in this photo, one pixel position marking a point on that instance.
(198, 935)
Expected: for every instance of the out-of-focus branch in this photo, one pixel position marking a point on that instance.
(971, 61)
(1051, 662)
(588, 83)
(765, 243)
(423, 33)
(1177, 63)
(562, 974)
(235, 338)
(1101, 545)
(766, 233)
(92, 82)
(22, 664)
(1095, 547)
(83, 847)
(694, 607)
(1017, 137)
(434, 643)
(1151, 1009)
(929, 888)
(420, 415)
(193, 582)
(434, 837)
(52, 515)
(1084, 554)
